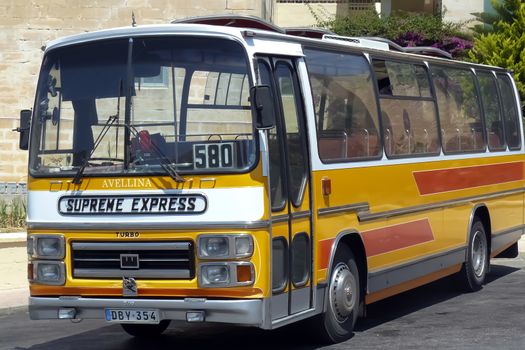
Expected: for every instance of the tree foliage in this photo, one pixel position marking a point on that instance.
(505, 11)
(406, 29)
(504, 47)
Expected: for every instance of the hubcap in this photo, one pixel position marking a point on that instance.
(342, 292)
(479, 254)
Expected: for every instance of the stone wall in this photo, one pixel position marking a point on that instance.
(27, 25)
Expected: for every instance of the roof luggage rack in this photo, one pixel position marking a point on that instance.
(228, 20)
(308, 32)
(422, 50)
(253, 22)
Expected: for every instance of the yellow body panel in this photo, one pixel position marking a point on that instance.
(392, 187)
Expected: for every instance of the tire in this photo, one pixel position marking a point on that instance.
(145, 330)
(344, 299)
(474, 269)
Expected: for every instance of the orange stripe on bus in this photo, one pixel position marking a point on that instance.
(387, 239)
(325, 248)
(436, 181)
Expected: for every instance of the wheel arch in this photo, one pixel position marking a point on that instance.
(481, 212)
(353, 240)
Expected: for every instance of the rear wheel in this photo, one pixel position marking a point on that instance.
(474, 270)
(337, 323)
(145, 330)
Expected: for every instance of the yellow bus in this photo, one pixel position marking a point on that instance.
(223, 169)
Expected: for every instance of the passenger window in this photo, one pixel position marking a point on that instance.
(492, 110)
(345, 106)
(511, 116)
(459, 110)
(407, 109)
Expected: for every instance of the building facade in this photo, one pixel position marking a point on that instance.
(27, 25)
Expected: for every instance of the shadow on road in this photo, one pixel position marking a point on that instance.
(183, 336)
(421, 298)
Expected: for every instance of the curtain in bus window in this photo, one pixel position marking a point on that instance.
(512, 126)
(345, 105)
(407, 109)
(459, 110)
(492, 110)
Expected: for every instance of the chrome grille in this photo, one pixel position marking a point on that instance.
(156, 260)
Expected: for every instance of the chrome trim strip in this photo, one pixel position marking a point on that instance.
(391, 276)
(367, 216)
(343, 208)
(279, 218)
(504, 237)
(144, 273)
(301, 214)
(293, 318)
(247, 312)
(149, 225)
(118, 260)
(508, 231)
(130, 245)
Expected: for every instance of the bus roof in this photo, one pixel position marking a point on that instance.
(242, 26)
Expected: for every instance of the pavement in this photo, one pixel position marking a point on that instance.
(14, 288)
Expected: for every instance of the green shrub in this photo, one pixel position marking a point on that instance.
(12, 214)
(406, 29)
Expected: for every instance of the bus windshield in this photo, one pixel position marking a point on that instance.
(131, 106)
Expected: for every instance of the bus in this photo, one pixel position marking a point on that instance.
(222, 169)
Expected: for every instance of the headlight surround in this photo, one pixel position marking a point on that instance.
(233, 246)
(49, 272)
(46, 247)
(225, 274)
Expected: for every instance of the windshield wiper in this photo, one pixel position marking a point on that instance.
(109, 122)
(165, 162)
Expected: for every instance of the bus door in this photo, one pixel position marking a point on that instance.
(289, 192)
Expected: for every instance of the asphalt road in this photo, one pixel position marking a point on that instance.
(431, 317)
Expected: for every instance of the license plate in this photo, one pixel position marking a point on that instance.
(132, 315)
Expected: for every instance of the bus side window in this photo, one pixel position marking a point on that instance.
(407, 109)
(459, 111)
(345, 105)
(492, 110)
(511, 115)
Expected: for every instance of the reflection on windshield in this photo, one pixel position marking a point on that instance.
(188, 109)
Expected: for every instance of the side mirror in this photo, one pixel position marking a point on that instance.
(23, 129)
(263, 106)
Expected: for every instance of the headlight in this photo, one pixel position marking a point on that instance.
(227, 274)
(46, 246)
(224, 246)
(214, 247)
(48, 272)
(215, 274)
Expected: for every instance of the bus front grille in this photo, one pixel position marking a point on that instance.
(147, 260)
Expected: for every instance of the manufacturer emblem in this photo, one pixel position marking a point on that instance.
(129, 287)
(129, 261)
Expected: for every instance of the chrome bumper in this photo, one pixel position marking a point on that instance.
(244, 312)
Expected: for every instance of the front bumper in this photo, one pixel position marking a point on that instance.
(243, 312)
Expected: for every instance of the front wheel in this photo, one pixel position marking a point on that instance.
(344, 297)
(474, 270)
(145, 330)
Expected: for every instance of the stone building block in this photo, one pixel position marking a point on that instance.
(94, 13)
(240, 4)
